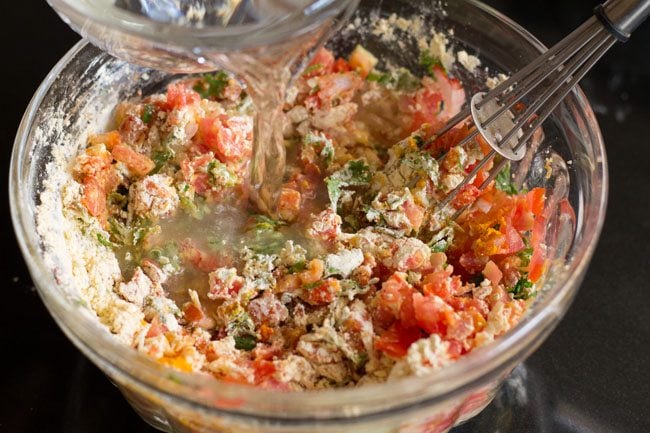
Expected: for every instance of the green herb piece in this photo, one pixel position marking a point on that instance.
(442, 240)
(312, 286)
(526, 254)
(523, 289)
(430, 62)
(423, 162)
(212, 85)
(297, 267)
(119, 232)
(354, 173)
(406, 81)
(167, 256)
(399, 79)
(142, 228)
(240, 323)
(503, 181)
(147, 113)
(262, 236)
(160, 157)
(221, 175)
(265, 223)
(382, 78)
(102, 240)
(322, 145)
(119, 200)
(191, 207)
(245, 342)
(313, 68)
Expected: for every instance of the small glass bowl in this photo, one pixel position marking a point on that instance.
(76, 99)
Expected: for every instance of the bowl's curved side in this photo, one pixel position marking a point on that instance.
(411, 398)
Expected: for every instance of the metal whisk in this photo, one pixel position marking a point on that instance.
(541, 86)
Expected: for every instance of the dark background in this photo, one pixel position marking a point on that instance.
(591, 375)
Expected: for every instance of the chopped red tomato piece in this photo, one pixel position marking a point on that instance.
(439, 99)
(228, 137)
(94, 198)
(466, 196)
(432, 313)
(414, 213)
(341, 65)
(180, 95)
(396, 341)
(289, 204)
(446, 141)
(192, 313)
(200, 260)
(536, 198)
(538, 259)
(138, 164)
(320, 64)
(323, 293)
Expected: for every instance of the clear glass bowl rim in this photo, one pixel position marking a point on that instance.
(78, 13)
(479, 368)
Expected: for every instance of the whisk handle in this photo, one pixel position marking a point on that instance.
(622, 17)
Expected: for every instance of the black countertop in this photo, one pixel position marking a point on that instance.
(591, 375)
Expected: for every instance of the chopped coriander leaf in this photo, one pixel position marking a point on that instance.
(119, 200)
(423, 162)
(240, 323)
(212, 85)
(441, 240)
(265, 223)
(359, 172)
(262, 236)
(430, 62)
(167, 256)
(298, 267)
(220, 174)
(354, 173)
(322, 145)
(526, 254)
(147, 113)
(381, 78)
(119, 232)
(406, 81)
(523, 289)
(313, 68)
(312, 286)
(142, 229)
(160, 157)
(102, 240)
(190, 206)
(504, 182)
(245, 342)
(334, 190)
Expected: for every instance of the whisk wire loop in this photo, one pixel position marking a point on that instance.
(540, 87)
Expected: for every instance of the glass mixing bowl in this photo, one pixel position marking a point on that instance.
(77, 98)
